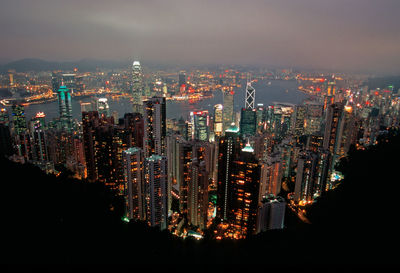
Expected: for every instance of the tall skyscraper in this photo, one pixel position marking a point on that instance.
(229, 147)
(245, 180)
(156, 179)
(299, 120)
(137, 87)
(155, 127)
(200, 124)
(227, 111)
(65, 106)
(249, 102)
(134, 183)
(248, 122)
(198, 194)
(103, 107)
(218, 119)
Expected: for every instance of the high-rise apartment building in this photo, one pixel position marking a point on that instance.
(155, 126)
(134, 190)
(156, 179)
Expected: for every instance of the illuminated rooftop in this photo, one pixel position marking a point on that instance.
(248, 148)
(232, 129)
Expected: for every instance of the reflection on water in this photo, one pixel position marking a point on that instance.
(277, 91)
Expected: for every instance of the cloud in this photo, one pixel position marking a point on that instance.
(348, 35)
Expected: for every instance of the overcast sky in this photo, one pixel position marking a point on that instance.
(340, 34)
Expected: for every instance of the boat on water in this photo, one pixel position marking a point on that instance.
(269, 83)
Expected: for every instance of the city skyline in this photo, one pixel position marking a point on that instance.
(337, 35)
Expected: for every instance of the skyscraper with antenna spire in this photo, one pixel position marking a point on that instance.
(248, 117)
(250, 95)
(137, 87)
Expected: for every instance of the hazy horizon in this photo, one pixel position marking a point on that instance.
(354, 36)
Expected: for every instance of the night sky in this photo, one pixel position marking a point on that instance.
(346, 35)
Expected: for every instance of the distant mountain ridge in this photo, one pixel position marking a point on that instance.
(37, 65)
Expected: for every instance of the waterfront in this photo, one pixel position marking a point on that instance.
(278, 91)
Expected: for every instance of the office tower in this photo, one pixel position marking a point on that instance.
(245, 182)
(55, 81)
(183, 128)
(65, 106)
(133, 162)
(18, 119)
(227, 111)
(271, 175)
(250, 96)
(260, 118)
(155, 127)
(299, 120)
(137, 87)
(218, 119)
(229, 147)
(313, 119)
(182, 78)
(69, 82)
(248, 122)
(200, 123)
(198, 194)
(271, 213)
(156, 179)
(103, 107)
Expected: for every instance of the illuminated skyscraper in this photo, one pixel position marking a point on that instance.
(245, 180)
(227, 112)
(155, 127)
(156, 179)
(218, 119)
(229, 147)
(65, 106)
(133, 162)
(103, 107)
(200, 123)
(248, 122)
(137, 87)
(18, 119)
(198, 194)
(299, 119)
(250, 98)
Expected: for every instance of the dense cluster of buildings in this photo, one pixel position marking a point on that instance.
(233, 173)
